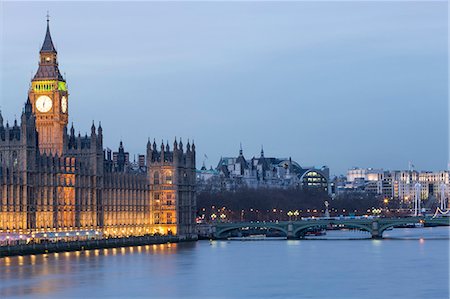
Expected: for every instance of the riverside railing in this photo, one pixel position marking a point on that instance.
(48, 247)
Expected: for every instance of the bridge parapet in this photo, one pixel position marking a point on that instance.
(294, 229)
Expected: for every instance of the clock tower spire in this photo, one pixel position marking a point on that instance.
(49, 98)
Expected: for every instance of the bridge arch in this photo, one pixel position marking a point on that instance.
(220, 231)
(385, 226)
(321, 224)
(401, 221)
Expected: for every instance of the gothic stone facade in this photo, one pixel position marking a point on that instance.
(52, 180)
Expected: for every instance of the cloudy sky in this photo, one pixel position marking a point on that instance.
(341, 84)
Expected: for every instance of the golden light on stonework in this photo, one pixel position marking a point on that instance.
(69, 200)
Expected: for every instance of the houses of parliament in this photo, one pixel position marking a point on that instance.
(53, 180)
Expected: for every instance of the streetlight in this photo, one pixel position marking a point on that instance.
(213, 217)
(222, 217)
(296, 213)
(290, 215)
(376, 211)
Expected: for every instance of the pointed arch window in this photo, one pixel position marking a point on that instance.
(169, 177)
(156, 178)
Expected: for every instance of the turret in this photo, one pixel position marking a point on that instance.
(188, 154)
(79, 141)
(100, 130)
(23, 118)
(15, 131)
(162, 151)
(149, 145)
(93, 143)
(176, 152)
(167, 147)
(93, 130)
(71, 142)
(121, 158)
(100, 137)
(28, 108)
(193, 154)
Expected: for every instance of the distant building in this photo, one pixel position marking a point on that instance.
(234, 172)
(396, 184)
(366, 174)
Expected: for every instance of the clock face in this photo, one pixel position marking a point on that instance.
(44, 104)
(64, 104)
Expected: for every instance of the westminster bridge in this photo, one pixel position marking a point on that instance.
(296, 229)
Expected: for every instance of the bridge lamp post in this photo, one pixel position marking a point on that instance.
(376, 211)
(213, 217)
(296, 213)
(386, 203)
(290, 213)
(222, 217)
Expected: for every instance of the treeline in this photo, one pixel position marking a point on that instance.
(265, 204)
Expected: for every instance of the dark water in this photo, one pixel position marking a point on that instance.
(416, 266)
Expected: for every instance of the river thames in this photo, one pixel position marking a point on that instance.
(412, 263)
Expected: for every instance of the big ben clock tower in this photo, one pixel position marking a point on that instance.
(49, 97)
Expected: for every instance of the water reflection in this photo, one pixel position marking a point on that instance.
(46, 274)
(234, 269)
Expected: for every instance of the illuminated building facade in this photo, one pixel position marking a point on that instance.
(400, 184)
(52, 180)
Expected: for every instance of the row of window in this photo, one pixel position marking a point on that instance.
(157, 195)
(43, 87)
(165, 180)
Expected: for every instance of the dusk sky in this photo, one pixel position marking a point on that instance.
(341, 84)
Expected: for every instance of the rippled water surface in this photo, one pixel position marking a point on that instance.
(414, 263)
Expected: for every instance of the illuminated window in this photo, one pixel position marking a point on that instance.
(169, 177)
(315, 179)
